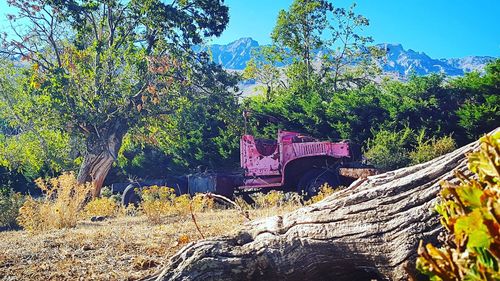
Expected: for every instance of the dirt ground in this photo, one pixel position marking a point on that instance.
(123, 248)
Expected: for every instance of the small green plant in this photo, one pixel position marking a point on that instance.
(10, 202)
(106, 192)
(389, 150)
(470, 213)
(428, 149)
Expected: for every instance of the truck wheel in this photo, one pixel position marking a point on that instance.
(130, 196)
(311, 182)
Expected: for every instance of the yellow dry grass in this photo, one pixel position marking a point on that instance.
(121, 248)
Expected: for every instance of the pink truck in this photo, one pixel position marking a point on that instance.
(292, 162)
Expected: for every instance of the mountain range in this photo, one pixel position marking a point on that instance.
(398, 60)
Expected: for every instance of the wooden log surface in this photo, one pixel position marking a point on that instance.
(370, 230)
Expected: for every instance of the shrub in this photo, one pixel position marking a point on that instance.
(470, 212)
(201, 203)
(104, 207)
(157, 202)
(59, 208)
(130, 210)
(160, 202)
(389, 150)
(10, 202)
(270, 199)
(244, 205)
(429, 149)
(324, 192)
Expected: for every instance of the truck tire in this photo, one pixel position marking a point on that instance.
(311, 182)
(130, 196)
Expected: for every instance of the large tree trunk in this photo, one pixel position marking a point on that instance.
(102, 150)
(371, 230)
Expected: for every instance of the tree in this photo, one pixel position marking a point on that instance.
(315, 30)
(201, 134)
(105, 66)
(479, 110)
(264, 68)
(329, 65)
(300, 29)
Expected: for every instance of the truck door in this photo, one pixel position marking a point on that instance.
(259, 157)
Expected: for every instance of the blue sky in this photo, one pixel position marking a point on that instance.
(440, 28)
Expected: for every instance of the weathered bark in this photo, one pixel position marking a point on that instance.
(102, 150)
(370, 230)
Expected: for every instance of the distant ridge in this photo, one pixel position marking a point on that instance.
(398, 61)
(234, 55)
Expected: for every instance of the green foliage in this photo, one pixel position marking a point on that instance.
(202, 134)
(10, 202)
(421, 103)
(17, 182)
(479, 113)
(263, 67)
(205, 133)
(140, 157)
(28, 144)
(34, 155)
(429, 149)
(308, 26)
(470, 213)
(353, 114)
(389, 150)
(300, 29)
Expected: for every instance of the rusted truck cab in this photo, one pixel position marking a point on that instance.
(293, 161)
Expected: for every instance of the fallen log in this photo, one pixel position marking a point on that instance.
(370, 230)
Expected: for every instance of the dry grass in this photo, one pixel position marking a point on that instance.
(59, 208)
(60, 243)
(122, 248)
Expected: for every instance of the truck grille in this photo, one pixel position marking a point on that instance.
(302, 149)
(321, 148)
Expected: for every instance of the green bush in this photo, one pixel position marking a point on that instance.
(429, 149)
(10, 202)
(389, 150)
(470, 213)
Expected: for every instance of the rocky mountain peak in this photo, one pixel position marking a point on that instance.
(398, 60)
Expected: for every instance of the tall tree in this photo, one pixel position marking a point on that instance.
(300, 29)
(317, 31)
(264, 68)
(102, 67)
